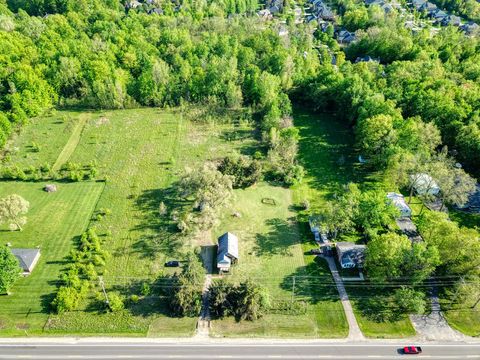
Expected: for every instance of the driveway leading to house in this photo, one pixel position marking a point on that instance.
(354, 332)
(434, 326)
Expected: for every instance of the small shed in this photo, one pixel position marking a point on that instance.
(350, 255)
(424, 184)
(227, 253)
(27, 258)
(399, 202)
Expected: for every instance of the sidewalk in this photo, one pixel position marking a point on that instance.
(354, 332)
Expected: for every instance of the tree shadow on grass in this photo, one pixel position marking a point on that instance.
(277, 241)
(161, 230)
(312, 283)
(326, 151)
(376, 304)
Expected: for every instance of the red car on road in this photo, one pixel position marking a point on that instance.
(412, 350)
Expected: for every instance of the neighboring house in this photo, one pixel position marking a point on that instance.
(27, 259)
(399, 202)
(345, 37)
(133, 4)
(418, 4)
(424, 184)
(227, 253)
(473, 203)
(156, 10)
(265, 14)
(471, 28)
(350, 255)
(452, 20)
(367, 58)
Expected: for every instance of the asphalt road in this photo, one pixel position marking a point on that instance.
(232, 350)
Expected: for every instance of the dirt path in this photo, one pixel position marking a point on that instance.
(72, 143)
(354, 332)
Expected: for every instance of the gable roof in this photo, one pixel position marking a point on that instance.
(227, 247)
(27, 258)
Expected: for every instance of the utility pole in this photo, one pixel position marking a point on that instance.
(476, 303)
(102, 284)
(293, 288)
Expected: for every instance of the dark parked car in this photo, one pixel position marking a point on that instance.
(412, 350)
(173, 263)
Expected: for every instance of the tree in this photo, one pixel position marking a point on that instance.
(245, 301)
(208, 190)
(186, 293)
(409, 300)
(67, 299)
(385, 256)
(455, 184)
(12, 208)
(374, 212)
(376, 136)
(9, 269)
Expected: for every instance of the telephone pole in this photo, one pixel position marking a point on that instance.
(102, 284)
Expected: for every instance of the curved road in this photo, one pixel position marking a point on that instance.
(229, 350)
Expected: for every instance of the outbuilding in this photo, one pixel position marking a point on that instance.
(27, 259)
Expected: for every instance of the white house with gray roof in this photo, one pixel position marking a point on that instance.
(227, 253)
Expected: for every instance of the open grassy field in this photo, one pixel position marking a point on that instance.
(54, 220)
(51, 134)
(327, 153)
(271, 254)
(140, 152)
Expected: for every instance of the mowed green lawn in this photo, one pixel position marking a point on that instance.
(326, 151)
(140, 152)
(271, 253)
(54, 220)
(51, 133)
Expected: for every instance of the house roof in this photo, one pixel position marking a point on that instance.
(399, 202)
(350, 253)
(227, 248)
(424, 183)
(27, 258)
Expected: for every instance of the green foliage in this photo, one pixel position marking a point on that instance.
(115, 302)
(12, 211)
(245, 172)
(185, 297)
(67, 299)
(245, 301)
(410, 301)
(9, 269)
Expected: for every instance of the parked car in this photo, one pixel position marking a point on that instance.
(172, 263)
(412, 350)
(317, 236)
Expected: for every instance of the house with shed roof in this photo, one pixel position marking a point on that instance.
(350, 255)
(27, 259)
(399, 202)
(227, 252)
(345, 37)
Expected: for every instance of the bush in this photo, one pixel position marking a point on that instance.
(245, 171)
(67, 299)
(115, 302)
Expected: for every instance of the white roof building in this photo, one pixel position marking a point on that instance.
(424, 184)
(399, 202)
(227, 253)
